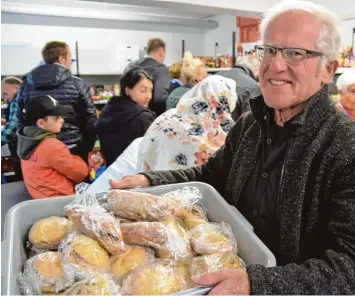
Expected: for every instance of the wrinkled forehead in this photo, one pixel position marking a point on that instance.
(293, 28)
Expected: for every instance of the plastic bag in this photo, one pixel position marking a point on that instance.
(46, 234)
(212, 238)
(191, 216)
(94, 221)
(211, 263)
(138, 206)
(157, 278)
(131, 258)
(95, 284)
(184, 197)
(44, 273)
(167, 243)
(81, 255)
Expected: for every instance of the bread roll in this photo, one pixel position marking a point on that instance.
(48, 233)
(191, 216)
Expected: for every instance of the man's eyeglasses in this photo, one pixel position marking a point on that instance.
(290, 55)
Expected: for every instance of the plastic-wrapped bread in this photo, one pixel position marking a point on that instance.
(48, 233)
(95, 284)
(129, 259)
(214, 262)
(83, 254)
(212, 238)
(44, 273)
(165, 240)
(184, 197)
(98, 224)
(138, 206)
(160, 277)
(191, 216)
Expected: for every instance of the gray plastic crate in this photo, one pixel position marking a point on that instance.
(20, 218)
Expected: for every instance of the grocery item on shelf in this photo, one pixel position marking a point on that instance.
(48, 233)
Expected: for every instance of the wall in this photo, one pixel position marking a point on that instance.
(100, 38)
(346, 30)
(222, 35)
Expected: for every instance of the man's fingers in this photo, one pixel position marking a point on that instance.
(212, 278)
(118, 184)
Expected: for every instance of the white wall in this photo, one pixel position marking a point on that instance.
(100, 38)
(346, 30)
(222, 35)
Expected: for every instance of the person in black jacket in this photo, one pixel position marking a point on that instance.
(247, 87)
(126, 117)
(288, 165)
(54, 78)
(153, 64)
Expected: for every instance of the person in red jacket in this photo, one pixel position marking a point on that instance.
(49, 169)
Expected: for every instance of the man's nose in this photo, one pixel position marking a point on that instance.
(278, 63)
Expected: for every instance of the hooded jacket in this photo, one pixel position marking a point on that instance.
(161, 78)
(56, 80)
(121, 121)
(315, 201)
(247, 87)
(48, 168)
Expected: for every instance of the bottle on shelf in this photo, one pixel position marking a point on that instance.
(217, 56)
(240, 49)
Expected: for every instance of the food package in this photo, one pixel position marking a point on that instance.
(179, 246)
(46, 234)
(211, 263)
(82, 254)
(166, 242)
(159, 277)
(212, 238)
(184, 197)
(94, 221)
(43, 274)
(191, 216)
(95, 284)
(129, 259)
(138, 206)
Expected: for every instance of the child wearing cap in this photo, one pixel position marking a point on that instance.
(49, 169)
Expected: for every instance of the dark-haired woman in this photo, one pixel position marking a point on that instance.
(126, 117)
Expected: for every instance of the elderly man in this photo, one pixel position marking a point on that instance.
(346, 89)
(289, 164)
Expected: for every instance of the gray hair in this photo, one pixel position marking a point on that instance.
(328, 40)
(345, 79)
(12, 80)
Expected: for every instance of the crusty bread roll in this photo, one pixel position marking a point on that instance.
(131, 258)
(99, 225)
(138, 206)
(212, 238)
(44, 271)
(214, 262)
(48, 233)
(85, 253)
(191, 216)
(160, 277)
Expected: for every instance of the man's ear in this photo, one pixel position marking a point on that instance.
(40, 123)
(329, 72)
(61, 60)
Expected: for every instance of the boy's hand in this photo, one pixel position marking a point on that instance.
(130, 182)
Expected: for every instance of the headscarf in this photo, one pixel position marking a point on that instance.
(188, 135)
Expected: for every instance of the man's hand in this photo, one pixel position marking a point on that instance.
(3, 121)
(130, 181)
(225, 282)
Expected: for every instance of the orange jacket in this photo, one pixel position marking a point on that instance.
(52, 170)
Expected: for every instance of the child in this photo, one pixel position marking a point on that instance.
(48, 167)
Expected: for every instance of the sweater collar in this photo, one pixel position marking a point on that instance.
(312, 114)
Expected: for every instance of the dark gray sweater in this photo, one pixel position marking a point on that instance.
(316, 210)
